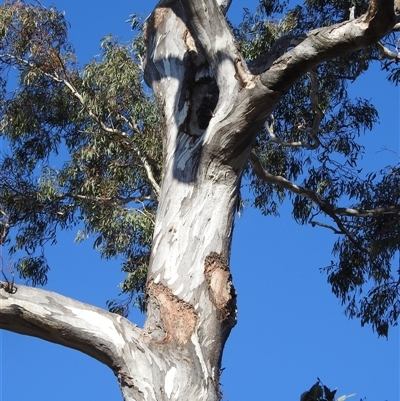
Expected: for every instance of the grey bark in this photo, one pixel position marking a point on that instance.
(213, 105)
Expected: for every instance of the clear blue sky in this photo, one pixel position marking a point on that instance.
(290, 329)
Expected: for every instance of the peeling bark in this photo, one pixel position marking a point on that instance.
(221, 290)
(213, 105)
(177, 317)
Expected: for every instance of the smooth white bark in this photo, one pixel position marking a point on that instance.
(213, 106)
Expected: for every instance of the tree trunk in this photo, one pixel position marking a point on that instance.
(212, 107)
(191, 304)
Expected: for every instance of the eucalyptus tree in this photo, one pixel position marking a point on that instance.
(156, 177)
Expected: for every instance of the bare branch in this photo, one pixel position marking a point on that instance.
(142, 158)
(386, 53)
(323, 44)
(322, 203)
(351, 212)
(45, 315)
(282, 182)
(316, 223)
(8, 285)
(149, 171)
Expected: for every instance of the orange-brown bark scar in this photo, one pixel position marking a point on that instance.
(221, 290)
(179, 317)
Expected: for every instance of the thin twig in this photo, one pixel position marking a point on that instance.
(313, 130)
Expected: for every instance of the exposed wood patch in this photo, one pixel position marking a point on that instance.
(246, 79)
(179, 318)
(220, 287)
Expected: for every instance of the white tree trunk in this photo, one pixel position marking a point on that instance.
(213, 105)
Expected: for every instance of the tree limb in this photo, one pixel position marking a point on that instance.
(318, 200)
(386, 53)
(352, 212)
(322, 203)
(323, 44)
(294, 144)
(299, 190)
(278, 49)
(67, 322)
(316, 223)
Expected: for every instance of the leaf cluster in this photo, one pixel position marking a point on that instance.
(328, 160)
(365, 277)
(318, 392)
(81, 144)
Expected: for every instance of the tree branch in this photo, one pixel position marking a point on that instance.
(352, 212)
(294, 144)
(94, 117)
(318, 200)
(67, 322)
(323, 44)
(283, 182)
(316, 223)
(322, 203)
(278, 49)
(104, 127)
(386, 53)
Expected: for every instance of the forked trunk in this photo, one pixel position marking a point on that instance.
(191, 303)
